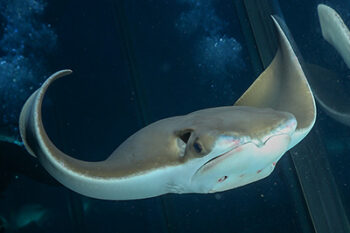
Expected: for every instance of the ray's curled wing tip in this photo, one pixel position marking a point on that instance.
(57, 75)
(26, 119)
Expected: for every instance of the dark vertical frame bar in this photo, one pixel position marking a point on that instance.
(309, 157)
(122, 26)
(249, 37)
(318, 184)
(259, 16)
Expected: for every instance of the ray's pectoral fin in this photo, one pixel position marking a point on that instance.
(284, 87)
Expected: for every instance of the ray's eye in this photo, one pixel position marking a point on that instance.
(197, 147)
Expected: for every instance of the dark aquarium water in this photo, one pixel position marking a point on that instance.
(137, 62)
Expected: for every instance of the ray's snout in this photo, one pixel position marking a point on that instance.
(249, 155)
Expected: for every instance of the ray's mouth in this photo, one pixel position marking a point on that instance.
(235, 149)
(227, 153)
(287, 128)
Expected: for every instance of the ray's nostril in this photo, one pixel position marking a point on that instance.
(258, 142)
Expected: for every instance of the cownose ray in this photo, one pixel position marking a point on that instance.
(329, 89)
(206, 151)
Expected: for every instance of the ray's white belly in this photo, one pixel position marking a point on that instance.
(243, 165)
